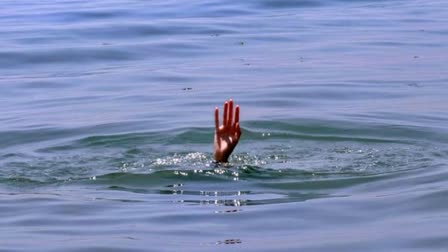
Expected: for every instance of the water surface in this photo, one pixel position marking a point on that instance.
(106, 125)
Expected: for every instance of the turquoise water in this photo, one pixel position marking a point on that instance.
(106, 125)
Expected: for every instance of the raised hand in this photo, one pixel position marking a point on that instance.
(228, 134)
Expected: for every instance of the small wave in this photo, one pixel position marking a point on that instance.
(340, 131)
(274, 4)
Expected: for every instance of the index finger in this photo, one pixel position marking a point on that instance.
(216, 119)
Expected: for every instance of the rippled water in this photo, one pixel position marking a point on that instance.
(106, 124)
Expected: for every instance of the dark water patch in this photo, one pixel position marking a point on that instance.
(435, 242)
(289, 4)
(165, 178)
(65, 16)
(122, 141)
(316, 184)
(129, 140)
(147, 31)
(11, 138)
(60, 56)
(44, 85)
(192, 135)
(225, 175)
(39, 171)
(22, 181)
(37, 39)
(87, 15)
(401, 44)
(42, 133)
(10, 59)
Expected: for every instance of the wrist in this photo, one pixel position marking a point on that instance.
(220, 157)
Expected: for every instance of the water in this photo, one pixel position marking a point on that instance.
(106, 124)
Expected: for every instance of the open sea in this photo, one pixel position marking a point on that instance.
(106, 125)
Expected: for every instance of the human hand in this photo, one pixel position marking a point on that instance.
(228, 134)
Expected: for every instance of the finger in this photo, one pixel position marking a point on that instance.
(216, 119)
(229, 120)
(238, 130)
(224, 118)
(237, 114)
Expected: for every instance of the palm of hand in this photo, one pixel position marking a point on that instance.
(228, 134)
